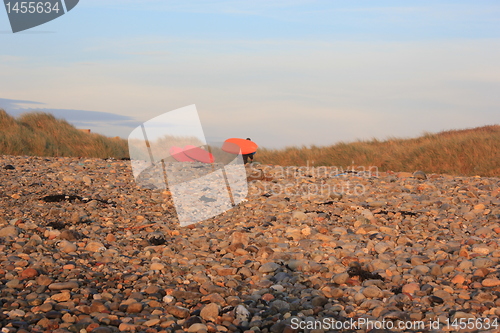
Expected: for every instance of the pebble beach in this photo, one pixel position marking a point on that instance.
(84, 249)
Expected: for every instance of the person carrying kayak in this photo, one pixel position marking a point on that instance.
(248, 156)
(246, 148)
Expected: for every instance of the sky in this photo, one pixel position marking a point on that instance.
(282, 72)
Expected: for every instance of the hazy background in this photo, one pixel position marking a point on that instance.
(280, 72)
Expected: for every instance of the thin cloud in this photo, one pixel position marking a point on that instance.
(79, 118)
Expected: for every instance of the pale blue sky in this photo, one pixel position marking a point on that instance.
(281, 72)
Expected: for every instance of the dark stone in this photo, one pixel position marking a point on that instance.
(53, 314)
(420, 175)
(319, 301)
(19, 324)
(56, 225)
(102, 330)
(435, 299)
(157, 240)
(192, 320)
(278, 327)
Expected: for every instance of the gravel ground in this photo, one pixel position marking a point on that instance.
(83, 249)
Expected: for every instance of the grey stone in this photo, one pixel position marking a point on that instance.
(269, 267)
(420, 175)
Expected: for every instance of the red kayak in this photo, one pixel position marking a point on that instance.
(198, 154)
(179, 155)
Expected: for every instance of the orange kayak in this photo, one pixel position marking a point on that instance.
(245, 146)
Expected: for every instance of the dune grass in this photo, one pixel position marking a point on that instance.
(41, 134)
(466, 152)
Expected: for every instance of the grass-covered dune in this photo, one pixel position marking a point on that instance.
(467, 152)
(41, 134)
(459, 152)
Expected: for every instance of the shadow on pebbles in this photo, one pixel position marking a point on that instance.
(83, 249)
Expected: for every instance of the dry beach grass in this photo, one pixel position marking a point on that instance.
(41, 134)
(467, 152)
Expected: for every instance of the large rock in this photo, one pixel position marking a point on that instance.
(210, 312)
(95, 246)
(63, 285)
(9, 231)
